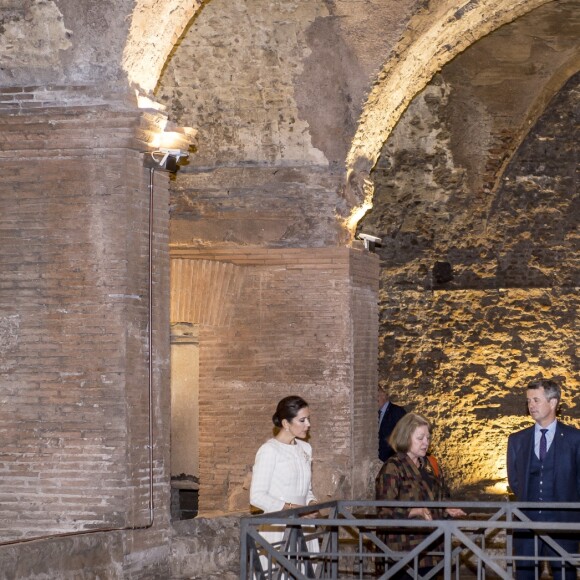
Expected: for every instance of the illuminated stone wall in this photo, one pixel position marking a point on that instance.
(460, 349)
(461, 357)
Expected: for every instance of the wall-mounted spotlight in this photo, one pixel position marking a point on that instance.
(170, 148)
(370, 241)
(168, 159)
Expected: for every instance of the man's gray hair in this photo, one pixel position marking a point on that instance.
(551, 388)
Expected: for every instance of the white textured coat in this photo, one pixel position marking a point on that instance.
(281, 474)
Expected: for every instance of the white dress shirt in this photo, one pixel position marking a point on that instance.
(383, 410)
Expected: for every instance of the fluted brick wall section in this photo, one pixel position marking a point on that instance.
(303, 322)
(204, 291)
(364, 276)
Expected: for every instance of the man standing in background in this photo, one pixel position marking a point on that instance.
(543, 464)
(389, 415)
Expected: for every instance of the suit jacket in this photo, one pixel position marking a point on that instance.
(566, 473)
(390, 419)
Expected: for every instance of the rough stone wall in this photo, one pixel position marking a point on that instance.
(462, 358)
(460, 348)
(290, 329)
(284, 91)
(256, 177)
(278, 81)
(100, 555)
(240, 92)
(207, 548)
(63, 42)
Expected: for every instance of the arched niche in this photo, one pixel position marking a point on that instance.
(154, 31)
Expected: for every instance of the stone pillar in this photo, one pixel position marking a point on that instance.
(78, 420)
(184, 404)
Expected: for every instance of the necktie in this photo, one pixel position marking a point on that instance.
(543, 444)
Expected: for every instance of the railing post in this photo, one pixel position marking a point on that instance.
(447, 553)
(509, 542)
(243, 550)
(334, 547)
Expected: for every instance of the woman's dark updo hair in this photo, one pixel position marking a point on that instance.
(287, 409)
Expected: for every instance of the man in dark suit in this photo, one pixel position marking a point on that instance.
(389, 415)
(543, 464)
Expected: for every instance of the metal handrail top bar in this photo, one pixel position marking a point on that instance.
(513, 509)
(416, 523)
(460, 504)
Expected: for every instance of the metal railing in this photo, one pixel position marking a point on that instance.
(348, 540)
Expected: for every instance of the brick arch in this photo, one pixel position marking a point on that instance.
(154, 31)
(433, 40)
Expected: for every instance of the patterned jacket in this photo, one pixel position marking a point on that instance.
(400, 479)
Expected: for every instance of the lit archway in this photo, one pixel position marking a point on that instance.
(432, 40)
(154, 31)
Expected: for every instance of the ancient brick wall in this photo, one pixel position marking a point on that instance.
(74, 323)
(281, 322)
(365, 271)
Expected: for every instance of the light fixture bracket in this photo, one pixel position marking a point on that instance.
(167, 159)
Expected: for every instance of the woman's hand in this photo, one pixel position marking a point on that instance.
(422, 513)
(313, 514)
(455, 512)
(291, 506)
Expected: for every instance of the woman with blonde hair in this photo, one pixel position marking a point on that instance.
(412, 475)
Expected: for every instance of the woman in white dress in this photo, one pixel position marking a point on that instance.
(281, 476)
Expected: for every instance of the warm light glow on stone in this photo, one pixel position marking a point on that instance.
(500, 488)
(181, 139)
(356, 215)
(144, 102)
(476, 393)
(438, 36)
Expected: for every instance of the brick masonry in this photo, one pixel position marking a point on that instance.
(74, 253)
(274, 323)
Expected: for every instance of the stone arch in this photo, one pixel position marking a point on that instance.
(432, 40)
(493, 153)
(154, 31)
